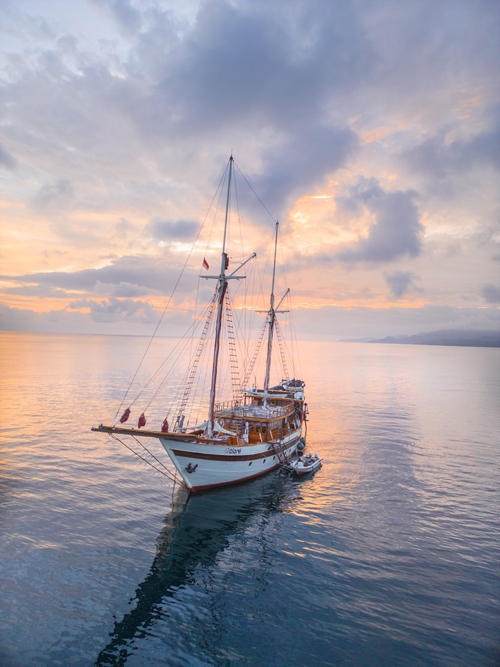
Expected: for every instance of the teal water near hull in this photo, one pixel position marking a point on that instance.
(389, 555)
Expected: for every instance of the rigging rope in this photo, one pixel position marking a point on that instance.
(293, 331)
(182, 340)
(233, 357)
(256, 350)
(282, 349)
(193, 366)
(271, 215)
(168, 475)
(242, 249)
(170, 298)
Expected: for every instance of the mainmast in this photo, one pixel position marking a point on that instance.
(222, 289)
(272, 316)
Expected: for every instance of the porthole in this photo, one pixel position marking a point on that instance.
(250, 463)
(264, 461)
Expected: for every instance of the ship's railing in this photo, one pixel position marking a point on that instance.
(245, 407)
(237, 403)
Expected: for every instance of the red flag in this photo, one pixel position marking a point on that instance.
(205, 264)
(142, 421)
(125, 416)
(164, 426)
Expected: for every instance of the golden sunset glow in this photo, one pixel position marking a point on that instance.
(387, 195)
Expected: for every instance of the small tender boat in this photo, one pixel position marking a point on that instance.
(303, 465)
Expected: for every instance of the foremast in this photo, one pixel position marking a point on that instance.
(272, 317)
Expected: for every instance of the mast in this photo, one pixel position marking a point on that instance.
(222, 287)
(272, 316)
(222, 280)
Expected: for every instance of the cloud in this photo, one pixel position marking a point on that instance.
(124, 227)
(115, 310)
(127, 290)
(6, 159)
(400, 282)
(106, 317)
(397, 231)
(17, 319)
(437, 157)
(491, 294)
(123, 290)
(44, 291)
(125, 273)
(128, 17)
(177, 230)
(59, 193)
(41, 291)
(302, 162)
(248, 78)
(241, 63)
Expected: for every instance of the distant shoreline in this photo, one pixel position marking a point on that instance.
(451, 337)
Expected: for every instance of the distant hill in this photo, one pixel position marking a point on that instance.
(465, 338)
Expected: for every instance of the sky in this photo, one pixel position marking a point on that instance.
(370, 128)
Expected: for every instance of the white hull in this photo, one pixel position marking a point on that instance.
(204, 466)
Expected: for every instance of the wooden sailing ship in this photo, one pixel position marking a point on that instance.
(246, 437)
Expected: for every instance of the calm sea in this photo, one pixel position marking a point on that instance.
(388, 556)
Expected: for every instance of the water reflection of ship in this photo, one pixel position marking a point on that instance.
(196, 531)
